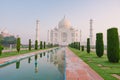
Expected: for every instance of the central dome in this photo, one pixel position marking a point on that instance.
(64, 23)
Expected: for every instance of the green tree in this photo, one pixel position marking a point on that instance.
(99, 44)
(88, 45)
(6, 41)
(79, 45)
(51, 45)
(1, 48)
(36, 44)
(74, 45)
(18, 45)
(113, 45)
(1, 38)
(41, 45)
(29, 44)
(82, 48)
(44, 44)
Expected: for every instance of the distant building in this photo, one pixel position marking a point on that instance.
(64, 34)
(5, 33)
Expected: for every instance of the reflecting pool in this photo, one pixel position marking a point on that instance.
(48, 65)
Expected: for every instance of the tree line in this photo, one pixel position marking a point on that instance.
(6, 41)
(37, 46)
(113, 51)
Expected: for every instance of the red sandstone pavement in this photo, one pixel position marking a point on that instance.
(76, 69)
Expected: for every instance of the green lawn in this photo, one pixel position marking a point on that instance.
(14, 53)
(100, 65)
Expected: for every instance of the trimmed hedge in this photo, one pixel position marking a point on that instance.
(18, 45)
(75, 45)
(1, 48)
(29, 44)
(78, 45)
(41, 45)
(36, 44)
(113, 45)
(44, 44)
(88, 45)
(99, 44)
(82, 48)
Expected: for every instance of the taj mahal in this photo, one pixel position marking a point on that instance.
(64, 33)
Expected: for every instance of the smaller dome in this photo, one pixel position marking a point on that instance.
(64, 23)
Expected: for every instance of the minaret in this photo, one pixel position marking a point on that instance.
(91, 32)
(38, 31)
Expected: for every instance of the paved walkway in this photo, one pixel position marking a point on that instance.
(76, 69)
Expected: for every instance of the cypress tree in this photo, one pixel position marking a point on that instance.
(44, 44)
(29, 44)
(79, 45)
(74, 45)
(99, 44)
(51, 45)
(41, 45)
(88, 45)
(18, 45)
(113, 45)
(82, 48)
(36, 44)
(1, 48)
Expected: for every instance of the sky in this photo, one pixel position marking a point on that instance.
(19, 16)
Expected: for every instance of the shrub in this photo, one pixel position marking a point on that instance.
(99, 44)
(74, 45)
(71, 45)
(82, 48)
(112, 45)
(79, 45)
(51, 45)
(41, 46)
(29, 44)
(36, 44)
(44, 44)
(18, 45)
(88, 45)
(1, 48)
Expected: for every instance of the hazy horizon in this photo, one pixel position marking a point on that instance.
(19, 17)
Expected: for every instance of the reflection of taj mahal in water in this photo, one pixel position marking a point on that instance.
(57, 59)
(64, 34)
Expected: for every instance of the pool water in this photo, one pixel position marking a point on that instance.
(48, 65)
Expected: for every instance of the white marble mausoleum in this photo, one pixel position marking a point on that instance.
(64, 33)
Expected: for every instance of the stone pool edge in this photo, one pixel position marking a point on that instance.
(8, 61)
